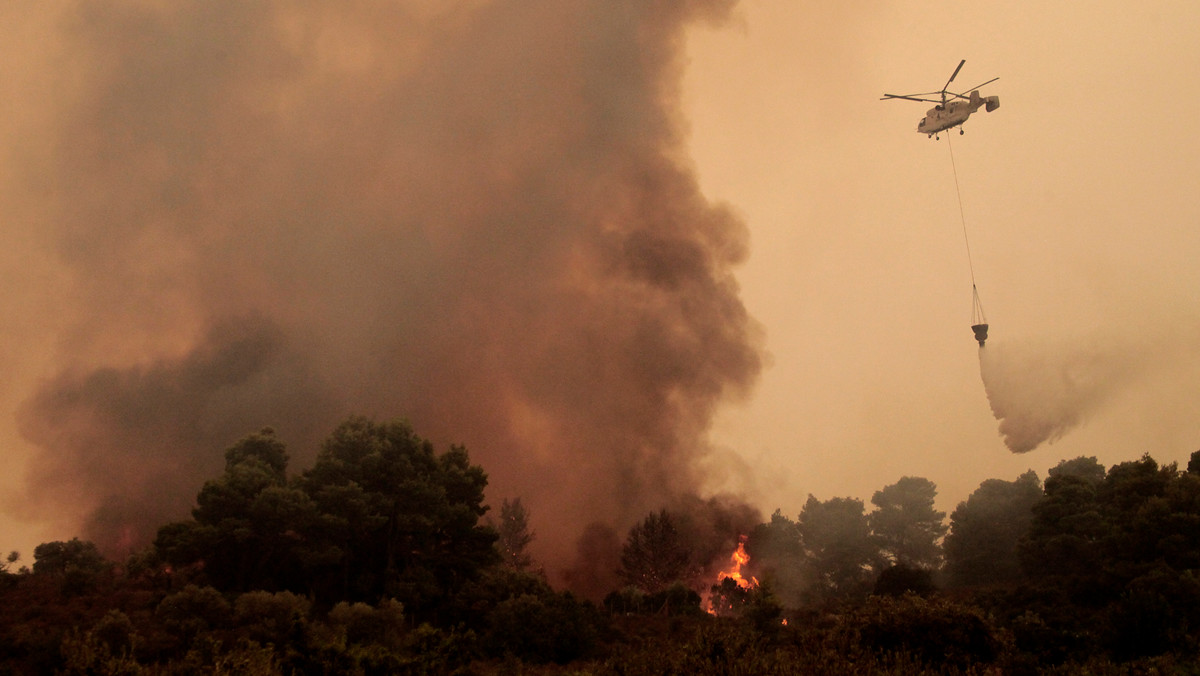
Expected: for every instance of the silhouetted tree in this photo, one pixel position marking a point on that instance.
(1065, 532)
(1193, 466)
(1133, 502)
(1064, 539)
(654, 555)
(777, 558)
(397, 520)
(76, 564)
(1178, 543)
(514, 535)
(264, 448)
(250, 529)
(1088, 469)
(837, 540)
(193, 610)
(8, 576)
(53, 558)
(379, 515)
(906, 526)
(985, 529)
(712, 529)
(676, 599)
(727, 597)
(1123, 551)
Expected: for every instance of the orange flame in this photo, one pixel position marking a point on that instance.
(738, 559)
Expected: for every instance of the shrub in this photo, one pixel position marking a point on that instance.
(361, 624)
(551, 628)
(193, 610)
(937, 632)
(275, 618)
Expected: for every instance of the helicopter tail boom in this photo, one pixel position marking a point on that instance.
(990, 103)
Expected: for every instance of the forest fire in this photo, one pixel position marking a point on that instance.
(738, 559)
(731, 584)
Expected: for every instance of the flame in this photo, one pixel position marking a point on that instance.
(738, 559)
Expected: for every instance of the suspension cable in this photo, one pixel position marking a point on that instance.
(961, 214)
(977, 316)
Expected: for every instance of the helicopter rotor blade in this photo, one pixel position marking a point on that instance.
(964, 96)
(907, 98)
(955, 74)
(983, 84)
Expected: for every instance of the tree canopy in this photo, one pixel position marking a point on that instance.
(985, 529)
(250, 528)
(404, 521)
(379, 515)
(514, 535)
(654, 555)
(838, 544)
(906, 526)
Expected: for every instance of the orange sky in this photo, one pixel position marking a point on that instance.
(1079, 196)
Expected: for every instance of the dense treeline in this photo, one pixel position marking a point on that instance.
(382, 559)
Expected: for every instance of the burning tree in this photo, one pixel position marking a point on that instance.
(778, 558)
(727, 597)
(737, 594)
(732, 589)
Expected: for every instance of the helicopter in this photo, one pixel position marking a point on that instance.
(949, 111)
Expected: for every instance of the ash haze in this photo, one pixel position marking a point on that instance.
(623, 251)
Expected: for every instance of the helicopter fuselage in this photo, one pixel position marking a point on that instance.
(948, 115)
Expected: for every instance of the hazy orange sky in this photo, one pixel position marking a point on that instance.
(1079, 197)
(1080, 200)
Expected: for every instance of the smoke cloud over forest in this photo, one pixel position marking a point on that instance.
(476, 215)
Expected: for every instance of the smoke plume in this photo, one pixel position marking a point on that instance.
(476, 215)
(1041, 391)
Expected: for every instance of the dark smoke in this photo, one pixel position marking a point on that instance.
(597, 560)
(478, 216)
(128, 445)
